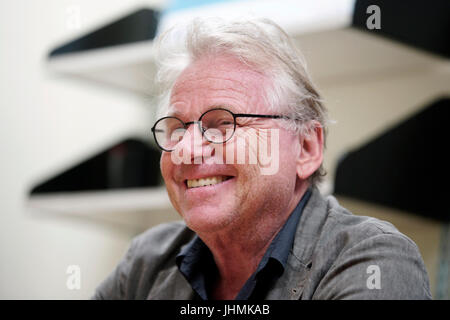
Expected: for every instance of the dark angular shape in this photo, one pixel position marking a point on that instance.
(404, 168)
(138, 26)
(129, 164)
(421, 24)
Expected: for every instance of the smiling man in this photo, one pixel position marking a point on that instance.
(234, 93)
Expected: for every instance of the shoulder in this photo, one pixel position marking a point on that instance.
(157, 247)
(148, 254)
(348, 229)
(161, 239)
(352, 247)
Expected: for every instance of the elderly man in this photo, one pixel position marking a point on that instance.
(253, 229)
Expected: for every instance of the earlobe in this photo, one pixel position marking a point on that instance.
(311, 152)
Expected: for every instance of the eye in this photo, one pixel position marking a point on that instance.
(176, 136)
(225, 122)
(178, 130)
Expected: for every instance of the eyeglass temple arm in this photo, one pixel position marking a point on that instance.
(244, 115)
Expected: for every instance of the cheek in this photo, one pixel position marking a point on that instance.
(166, 166)
(243, 148)
(288, 155)
(260, 149)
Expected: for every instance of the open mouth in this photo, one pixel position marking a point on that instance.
(208, 181)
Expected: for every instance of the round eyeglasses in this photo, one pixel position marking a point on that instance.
(216, 126)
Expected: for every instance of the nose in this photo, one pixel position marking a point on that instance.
(193, 144)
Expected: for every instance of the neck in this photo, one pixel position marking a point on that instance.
(238, 249)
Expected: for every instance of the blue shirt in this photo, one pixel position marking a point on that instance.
(197, 264)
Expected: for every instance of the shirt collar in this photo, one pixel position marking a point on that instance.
(281, 245)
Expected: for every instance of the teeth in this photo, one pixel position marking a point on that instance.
(205, 181)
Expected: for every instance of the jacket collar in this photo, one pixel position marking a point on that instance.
(291, 284)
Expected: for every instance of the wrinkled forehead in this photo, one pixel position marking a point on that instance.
(218, 81)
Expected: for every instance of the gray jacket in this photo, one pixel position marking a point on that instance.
(336, 255)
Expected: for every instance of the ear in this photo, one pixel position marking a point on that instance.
(311, 151)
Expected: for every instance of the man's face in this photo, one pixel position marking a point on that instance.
(241, 195)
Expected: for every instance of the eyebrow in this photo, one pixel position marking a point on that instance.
(180, 115)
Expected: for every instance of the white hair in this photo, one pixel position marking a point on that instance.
(262, 45)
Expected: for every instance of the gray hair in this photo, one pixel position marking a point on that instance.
(259, 43)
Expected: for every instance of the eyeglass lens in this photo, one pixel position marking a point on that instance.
(217, 126)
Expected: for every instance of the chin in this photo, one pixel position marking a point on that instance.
(207, 218)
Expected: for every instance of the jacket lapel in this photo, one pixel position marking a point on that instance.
(291, 284)
(170, 284)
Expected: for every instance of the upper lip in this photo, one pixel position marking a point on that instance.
(204, 171)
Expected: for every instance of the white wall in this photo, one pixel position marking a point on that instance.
(47, 122)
